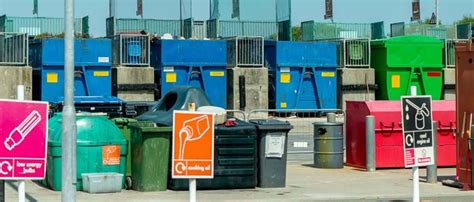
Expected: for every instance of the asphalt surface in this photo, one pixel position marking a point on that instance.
(304, 183)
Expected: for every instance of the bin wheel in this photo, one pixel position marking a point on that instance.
(128, 183)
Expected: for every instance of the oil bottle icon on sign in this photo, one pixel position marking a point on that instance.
(421, 113)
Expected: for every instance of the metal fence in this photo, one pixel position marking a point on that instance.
(311, 30)
(229, 28)
(356, 53)
(450, 51)
(131, 50)
(199, 29)
(301, 139)
(437, 31)
(117, 26)
(245, 51)
(40, 25)
(13, 49)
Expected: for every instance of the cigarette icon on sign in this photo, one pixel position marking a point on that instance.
(19, 134)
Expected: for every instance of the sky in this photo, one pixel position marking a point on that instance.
(349, 11)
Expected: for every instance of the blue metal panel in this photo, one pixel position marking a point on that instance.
(199, 63)
(92, 68)
(303, 74)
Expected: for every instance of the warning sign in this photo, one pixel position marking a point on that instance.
(111, 155)
(193, 145)
(417, 131)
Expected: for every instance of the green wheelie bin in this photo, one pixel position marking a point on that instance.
(150, 156)
(405, 61)
(124, 125)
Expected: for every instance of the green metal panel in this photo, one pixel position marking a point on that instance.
(377, 29)
(401, 62)
(284, 31)
(152, 26)
(187, 28)
(464, 31)
(307, 31)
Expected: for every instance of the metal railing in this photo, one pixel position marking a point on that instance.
(40, 25)
(117, 26)
(352, 53)
(356, 52)
(245, 51)
(131, 50)
(316, 30)
(437, 31)
(230, 28)
(450, 51)
(302, 121)
(13, 49)
(199, 30)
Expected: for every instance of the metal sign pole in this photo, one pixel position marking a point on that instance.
(68, 175)
(20, 95)
(415, 171)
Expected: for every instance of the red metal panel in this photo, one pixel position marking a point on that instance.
(464, 108)
(388, 132)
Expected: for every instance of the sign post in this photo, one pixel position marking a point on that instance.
(193, 148)
(417, 136)
(23, 138)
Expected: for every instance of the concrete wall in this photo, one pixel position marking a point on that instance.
(256, 88)
(356, 84)
(11, 77)
(449, 91)
(133, 83)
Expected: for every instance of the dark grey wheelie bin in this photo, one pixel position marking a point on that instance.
(272, 152)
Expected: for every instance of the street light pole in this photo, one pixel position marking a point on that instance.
(436, 12)
(68, 165)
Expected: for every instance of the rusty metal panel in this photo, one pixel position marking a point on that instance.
(464, 110)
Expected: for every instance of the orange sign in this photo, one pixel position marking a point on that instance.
(193, 145)
(111, 155)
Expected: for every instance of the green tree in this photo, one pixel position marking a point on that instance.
(466, 19)
(296, 32)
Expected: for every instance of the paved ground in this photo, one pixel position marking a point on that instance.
(304, 183)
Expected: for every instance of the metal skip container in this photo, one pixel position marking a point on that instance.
(328, 145)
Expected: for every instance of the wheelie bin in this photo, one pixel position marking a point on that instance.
(272, 152)
(150, 156)
(124, 125)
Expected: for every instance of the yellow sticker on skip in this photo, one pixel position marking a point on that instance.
(327, 74)
(285, 78)
(101, 73)
(395, 81)
(282, 104)
(51, 77)
(217, 73)
(170, 77)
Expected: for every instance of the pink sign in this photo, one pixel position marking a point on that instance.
(23, 139)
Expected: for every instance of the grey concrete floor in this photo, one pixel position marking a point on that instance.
(304, 183)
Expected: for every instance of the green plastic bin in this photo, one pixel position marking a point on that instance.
(405, 61)
(123, 125)
(95, 133)
(150, 156)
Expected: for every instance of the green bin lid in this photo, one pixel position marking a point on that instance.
(92, 130)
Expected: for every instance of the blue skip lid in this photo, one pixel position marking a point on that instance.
(98, 100)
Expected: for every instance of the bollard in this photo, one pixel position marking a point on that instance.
(331, 117)
(2, 190)
(431, 170)
(370, 143)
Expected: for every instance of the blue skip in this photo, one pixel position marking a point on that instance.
(303, 75)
